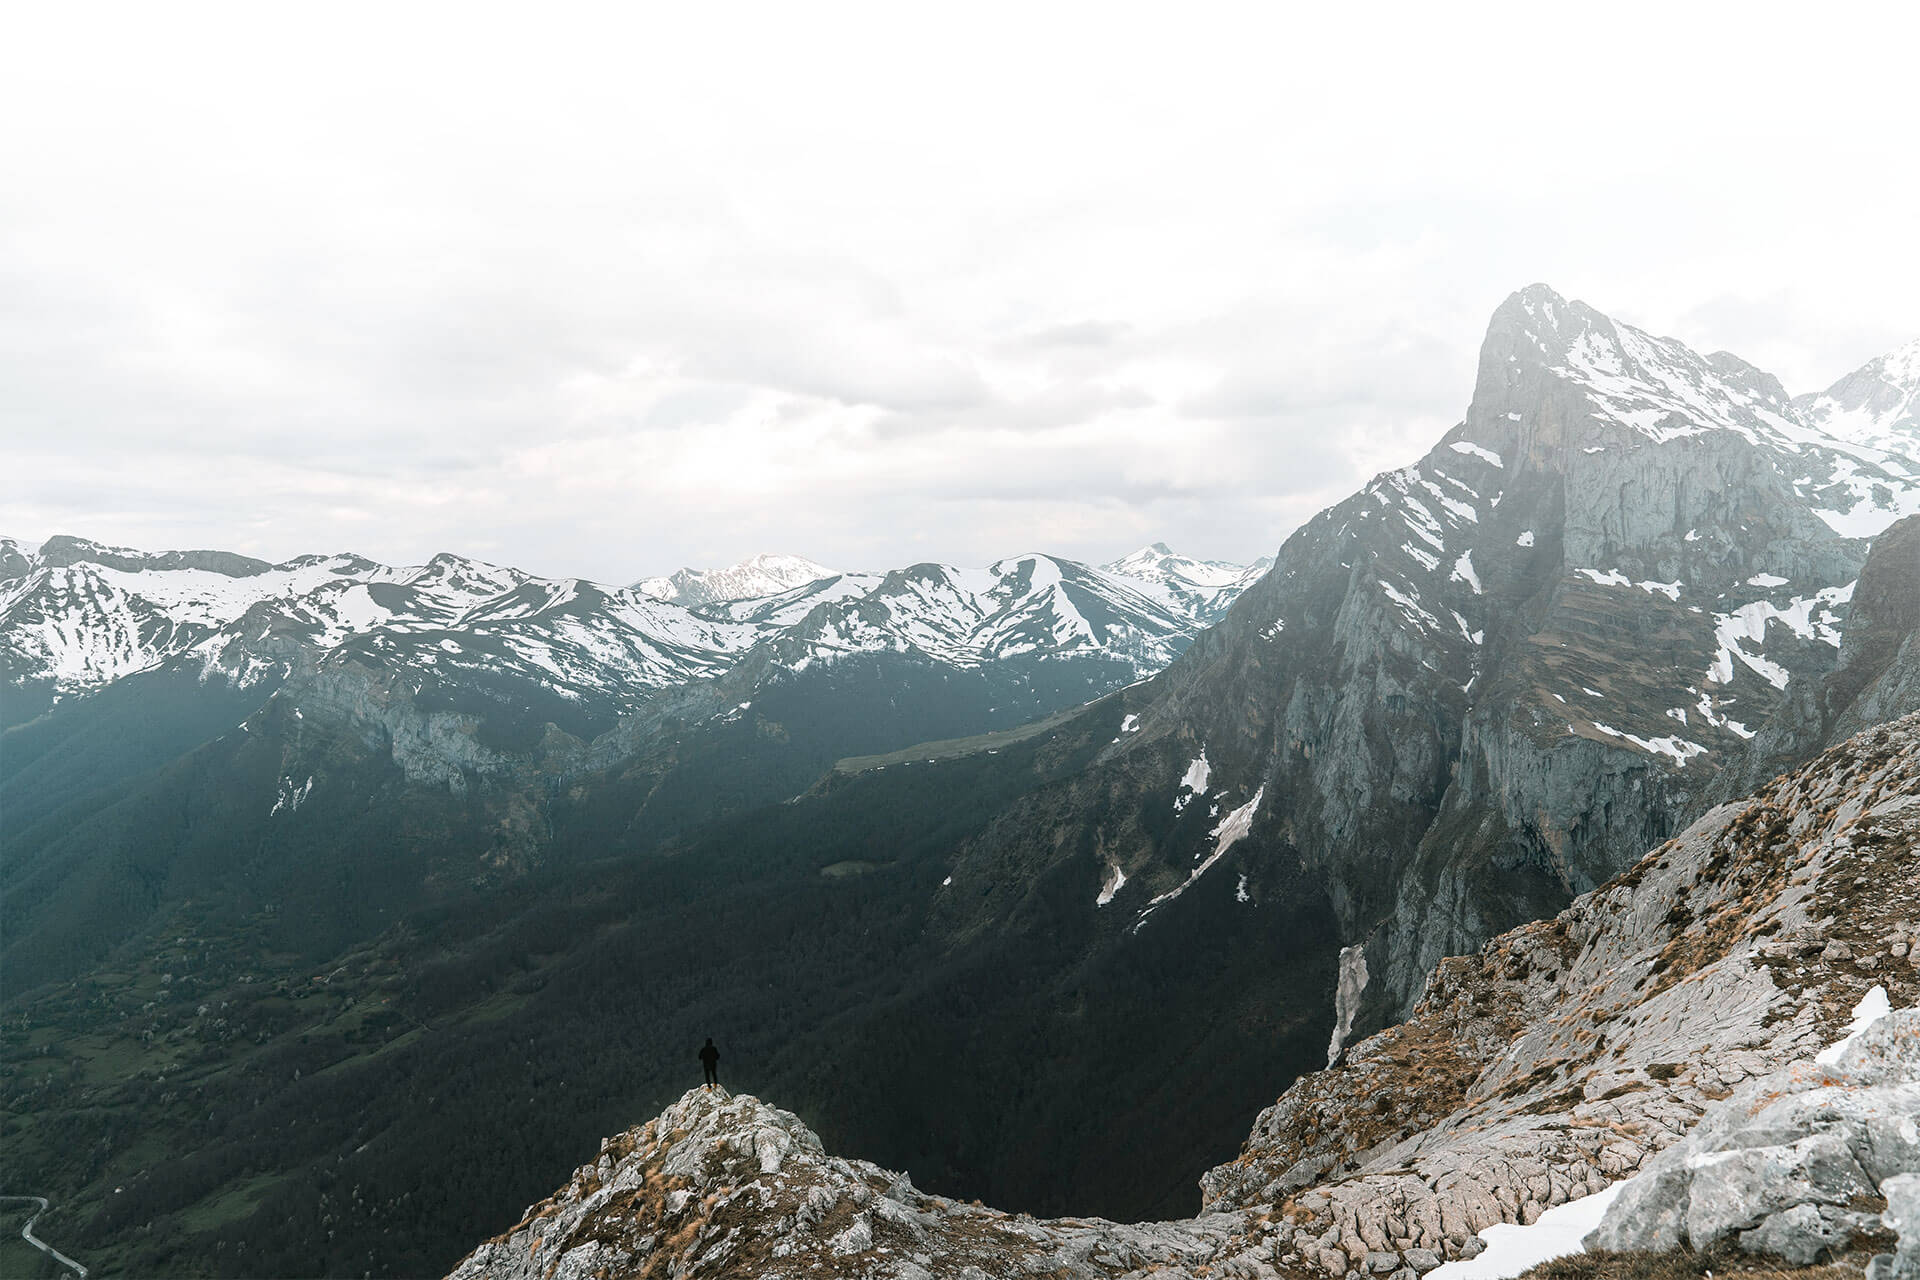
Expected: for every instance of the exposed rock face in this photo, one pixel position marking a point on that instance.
(1569, 1053)
(1490, 680)
(1903, 1215)
(727, 1186)
(1877, 676)
(1792, 1164)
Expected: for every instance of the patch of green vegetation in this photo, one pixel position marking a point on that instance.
(232, 1203)
(851, 867)
(953, 748)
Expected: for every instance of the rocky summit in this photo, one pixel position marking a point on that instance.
(1702, 1035)
(724, 1186)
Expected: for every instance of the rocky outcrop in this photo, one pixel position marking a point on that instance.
(64, 551)
(724, 1185)
(1902, 1214)
(1570, 1053)
(1875, 679)
(1793, 1164)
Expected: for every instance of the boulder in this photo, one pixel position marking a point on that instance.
(1902, 1215)
(1803, 1235)
(1778, 1167)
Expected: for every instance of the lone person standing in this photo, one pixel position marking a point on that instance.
(710, 1061)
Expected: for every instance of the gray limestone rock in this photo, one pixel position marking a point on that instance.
(1803, 1235)
(1902, 1215)
(1777, 1166)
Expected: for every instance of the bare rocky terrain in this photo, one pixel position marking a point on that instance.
(1565, 1056)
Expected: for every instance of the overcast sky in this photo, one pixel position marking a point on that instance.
(608, 292)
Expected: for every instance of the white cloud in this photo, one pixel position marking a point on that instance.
(610, 291)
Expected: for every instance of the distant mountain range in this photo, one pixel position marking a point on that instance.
(75, 616)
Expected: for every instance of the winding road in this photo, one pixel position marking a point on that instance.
(26, 1233)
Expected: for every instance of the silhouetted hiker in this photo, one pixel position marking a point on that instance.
(710, 1060)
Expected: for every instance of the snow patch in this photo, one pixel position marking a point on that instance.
(1808, 617)
(1512, 1249)
(291, 796)
(1873, 1006)
(1231, 830)
(1193, 782)
(1463, 572)
(1673, 746)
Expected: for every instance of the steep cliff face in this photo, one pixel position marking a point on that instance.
(1564, 1057)
(1876, 677)
(1568, 1053)
(1484, 683)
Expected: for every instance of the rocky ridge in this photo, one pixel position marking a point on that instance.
(1565, 1056)
(725, 1185)
(1569, 1053)
(1802, 1164)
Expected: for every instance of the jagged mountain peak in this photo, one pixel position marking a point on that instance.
(16, 558)
(766, 574)
(1876, 406)
(1658, 388)
(1203, 589)
(1150, 556)
(1560, 382)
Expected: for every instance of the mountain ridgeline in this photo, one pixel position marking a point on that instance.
(1038, 880)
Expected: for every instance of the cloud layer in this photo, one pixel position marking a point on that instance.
(608, 295)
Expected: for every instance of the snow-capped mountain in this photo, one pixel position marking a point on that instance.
(16, 558)
(84, 615)
(1201, 589)
(1877, 406)
(1484, 681)
(763, 575)
(76, 616)
(1024, 605)
(1844, 451)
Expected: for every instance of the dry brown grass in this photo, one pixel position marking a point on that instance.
(1685, 1264)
